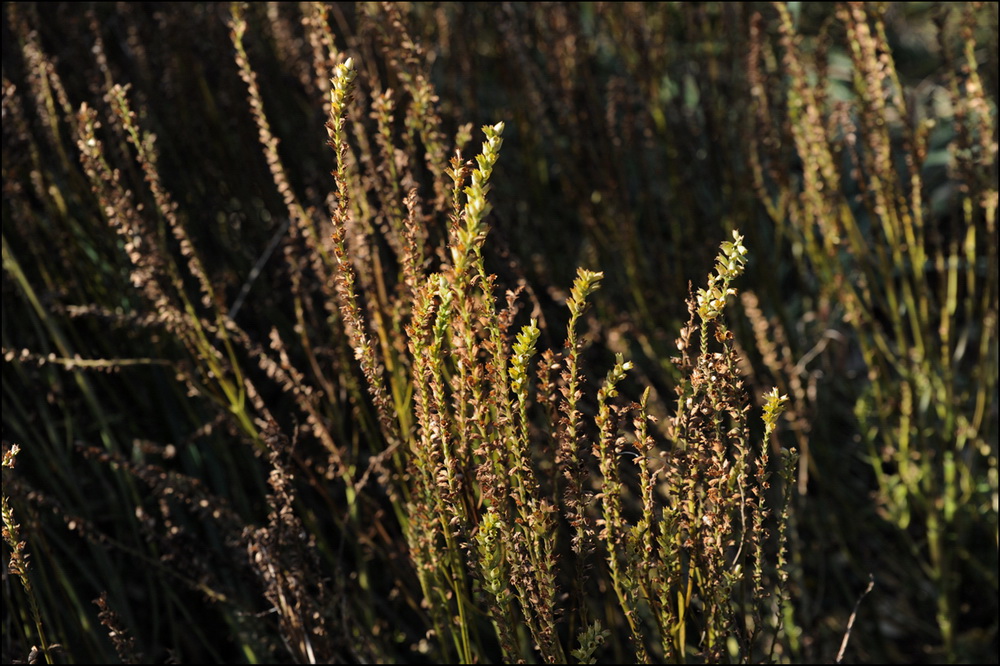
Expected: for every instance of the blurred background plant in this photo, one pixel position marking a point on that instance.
(203, 453)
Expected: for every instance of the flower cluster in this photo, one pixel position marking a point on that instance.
(728, 266)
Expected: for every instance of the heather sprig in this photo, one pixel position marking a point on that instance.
(704, 537)
(570, 450)
(729, 265)
(17, 565)
(615, 533)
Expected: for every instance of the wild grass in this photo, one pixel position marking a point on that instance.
(300, 367)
